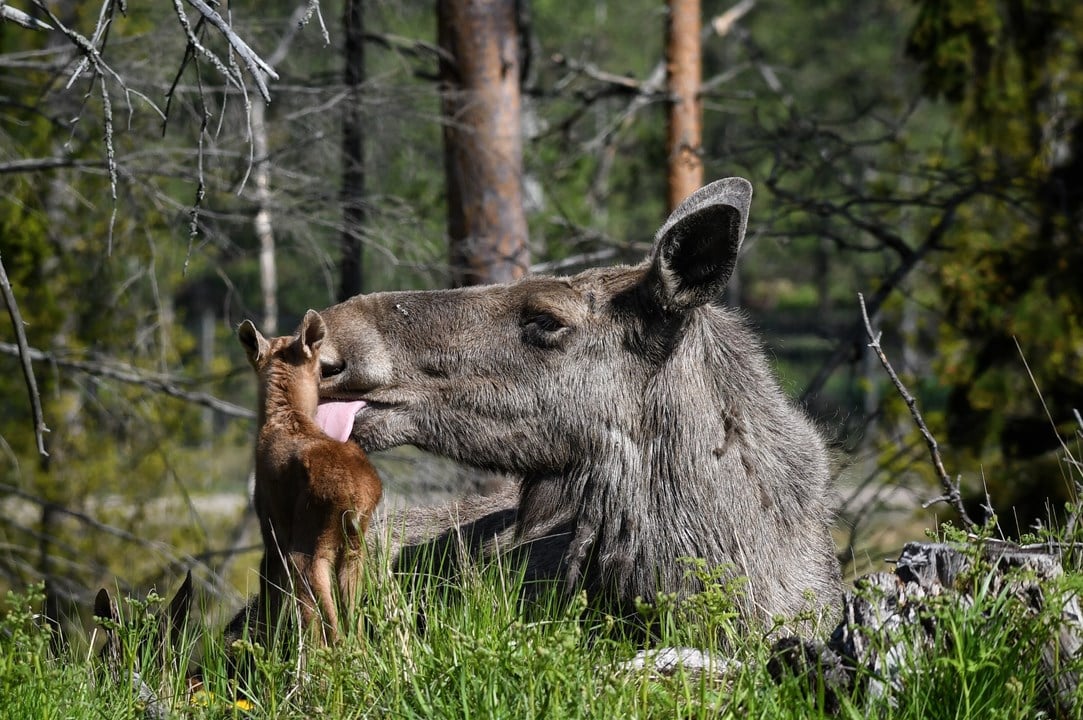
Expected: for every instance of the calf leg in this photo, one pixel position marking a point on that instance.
(328, 549)
(351, 558)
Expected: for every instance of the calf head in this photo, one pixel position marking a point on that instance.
(289, 362)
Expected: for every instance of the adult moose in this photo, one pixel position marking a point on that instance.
(639, 412)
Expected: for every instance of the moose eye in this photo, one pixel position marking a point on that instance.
(543, 329)
(546, 322)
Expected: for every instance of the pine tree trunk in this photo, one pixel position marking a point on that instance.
(482, 140)
(683, 77)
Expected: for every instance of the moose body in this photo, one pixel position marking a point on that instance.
(314, 495)
(639, 412)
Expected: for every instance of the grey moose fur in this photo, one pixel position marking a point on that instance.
(640, 413)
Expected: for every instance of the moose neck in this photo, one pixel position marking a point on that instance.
(650, 494)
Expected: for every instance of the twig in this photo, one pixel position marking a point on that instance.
(133, 376)
(951, 494)
(626, 84)
(92, 58)
(722, 24)
(313, 7)
(28, 165)
(931, 243)
(20, 18)
(24, 355)
(255, 64)
(198, 47)
(1048, 415)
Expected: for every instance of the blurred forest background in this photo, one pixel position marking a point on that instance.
(926, 153)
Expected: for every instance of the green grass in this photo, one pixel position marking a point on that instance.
(471, 649)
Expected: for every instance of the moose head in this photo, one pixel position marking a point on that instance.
(639, 411)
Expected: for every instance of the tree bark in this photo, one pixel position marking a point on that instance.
(480, 100)
(353, 161)
(890, 620)
(684, 71)
(261, 175)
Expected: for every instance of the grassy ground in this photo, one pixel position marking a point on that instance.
(472, 650)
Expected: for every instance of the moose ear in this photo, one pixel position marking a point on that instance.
(696, 249)
(255, 345)
(104, 607)
(179, 607)
(312, 332)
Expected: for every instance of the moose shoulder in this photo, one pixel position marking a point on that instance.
(639, 412)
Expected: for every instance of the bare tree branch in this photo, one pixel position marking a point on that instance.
(92, 58)
(36, 164)
(722, 24)
(623, 83)
(24, 355)
(20, 18)
(951, 495)
(931, 242)
(127, 374)
(255, 64)
(313, 8)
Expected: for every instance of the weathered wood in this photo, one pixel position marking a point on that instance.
(890, 618)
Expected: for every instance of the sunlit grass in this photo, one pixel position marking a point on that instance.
(473, 648)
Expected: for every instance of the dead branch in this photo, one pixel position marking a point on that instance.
(92, 58)
(622, 82)
(951, 495)
(24, 355)
(722, 24)
(932, 242)
(195, 46)
(20, 18)
(312, 7)
(127, 374)
(255, 64)
(28, 165)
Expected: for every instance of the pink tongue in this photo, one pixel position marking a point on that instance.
(336, 418)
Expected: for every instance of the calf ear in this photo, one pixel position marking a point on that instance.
(696, 249)
(255, 345)
(312, 333)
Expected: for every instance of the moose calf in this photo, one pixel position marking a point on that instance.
(314, 494)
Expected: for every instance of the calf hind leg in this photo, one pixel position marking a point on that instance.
(351, 558)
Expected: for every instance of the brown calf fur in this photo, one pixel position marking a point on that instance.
(314, 495)
(640, 412)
